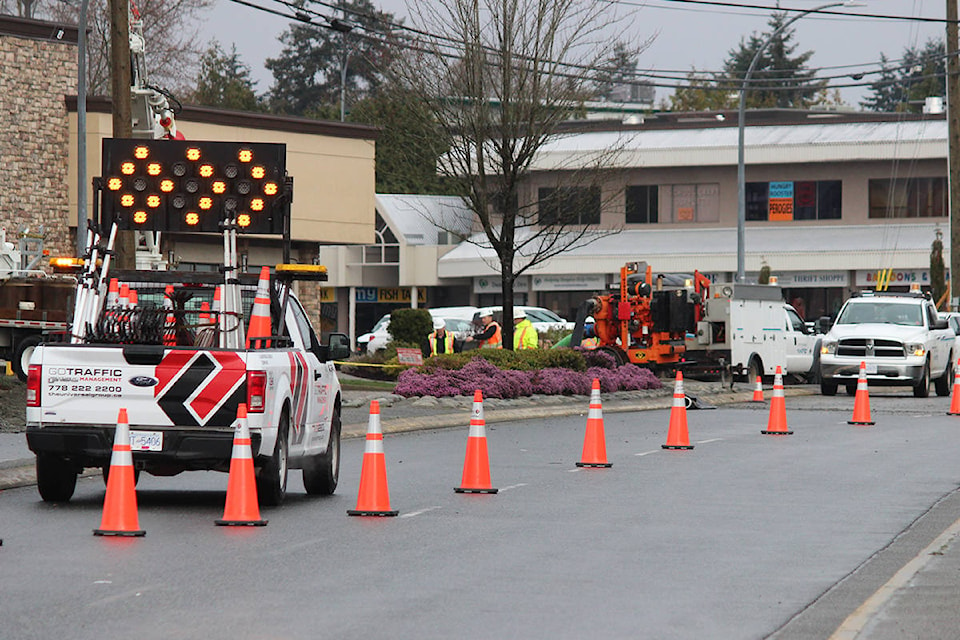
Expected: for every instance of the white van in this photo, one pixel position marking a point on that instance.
(457, 320)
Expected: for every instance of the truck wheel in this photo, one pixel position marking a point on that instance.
(21, 356)
(320, 473)
(828, 388)
(56, 478)
(944, 383)
(618, 355)
(754, 369)
(922, 388)
(272, 478)
(851, 389)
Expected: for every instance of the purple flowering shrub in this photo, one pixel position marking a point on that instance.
(510, 383)
(598, 358)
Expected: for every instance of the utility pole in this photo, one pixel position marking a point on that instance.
(953, 146)
(120, 77)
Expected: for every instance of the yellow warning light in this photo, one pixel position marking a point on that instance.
(166, 186)
(192, 218)
(205, 202)
(127, 168)
(153, 169)
(206, 170)
(256, 204)
(153, 201)
(193, 153)
(114, 184)
(245, 155)
(126, 200)
(66, 265)
(257, 172)
(270, 188)
(139, 217)
(219, 186)
(141, 152)
(243, 220)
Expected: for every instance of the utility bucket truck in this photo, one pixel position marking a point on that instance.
(179, 350)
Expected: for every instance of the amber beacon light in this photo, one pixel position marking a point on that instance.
(178, 185)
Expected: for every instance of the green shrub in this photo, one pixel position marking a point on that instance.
(528, 360)
(411, 326)
(386, 356)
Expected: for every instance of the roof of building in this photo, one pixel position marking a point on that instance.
(422, 220)
(788, 248)
(906, 139)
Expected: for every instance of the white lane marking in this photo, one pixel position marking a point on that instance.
(857, 620)
(514, 486)
(420, 512)
(573, 470)
(710, 440)
(646, 453)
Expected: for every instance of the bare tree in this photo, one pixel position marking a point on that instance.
(500, 77)
(171, 30)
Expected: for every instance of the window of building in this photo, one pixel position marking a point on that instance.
(691, 202)
(642, 204)
(785, 200)
(908, 198)
(569, 205)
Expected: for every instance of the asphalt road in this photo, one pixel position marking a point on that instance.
(743, 537)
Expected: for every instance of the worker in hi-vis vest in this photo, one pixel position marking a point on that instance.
(524, 335)
(440, 341)
(491, 336)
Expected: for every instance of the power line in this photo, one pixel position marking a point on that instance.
(741, 5)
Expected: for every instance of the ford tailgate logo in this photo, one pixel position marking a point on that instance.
(143, 381)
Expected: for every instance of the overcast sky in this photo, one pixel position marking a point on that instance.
(684, 35)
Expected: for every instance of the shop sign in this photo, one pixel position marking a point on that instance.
(491, 284)
(389, 294)
(897, 278)
(574, 282)
(328, 295)
(813, 279)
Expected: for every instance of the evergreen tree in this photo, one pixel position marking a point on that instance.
(904, 87)
(792, 85)
(617, 71)
(306, 74)
(225, 81)
(704, 92)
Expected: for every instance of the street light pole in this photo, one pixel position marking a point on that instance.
(82, 130)
(741, 117)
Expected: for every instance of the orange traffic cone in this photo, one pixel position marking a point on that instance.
(373, 499)
(777, 424)
(476, 464)
(204, 313)
(955, 397)
(170, 324)
(861, 404)
(113, 293)
(677, 437)
(134, 300)
(123, 300)
(758, 391)
(594, 444)
(260, 316)
(241, 507)
(120, 503)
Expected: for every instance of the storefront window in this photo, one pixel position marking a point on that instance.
(692, 202)
(642, 204)
(569, 205)
(908, 198)
(785, 200)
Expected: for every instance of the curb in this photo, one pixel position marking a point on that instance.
(21, 472)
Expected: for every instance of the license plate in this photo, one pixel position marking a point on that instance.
(146, 440)
(871, 368)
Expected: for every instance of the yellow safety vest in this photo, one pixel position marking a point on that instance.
(526, 338)
(447, 343)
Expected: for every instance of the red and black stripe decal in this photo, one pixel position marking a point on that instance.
(201, 389)
(299, 387)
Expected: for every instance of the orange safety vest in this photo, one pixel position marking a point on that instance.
(496, 341)
(447, 343)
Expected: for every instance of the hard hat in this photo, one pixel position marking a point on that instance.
(438, 323)
(485, 312)
(518, 314)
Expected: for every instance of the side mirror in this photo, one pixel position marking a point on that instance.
(824, 324)
(338, 346)
(941, 324)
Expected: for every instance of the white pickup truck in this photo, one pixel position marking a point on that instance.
(898, 336)
(182, 398)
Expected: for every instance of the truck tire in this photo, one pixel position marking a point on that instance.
(851, 389)
(754, 369)
(828, 388)
(272, 477)
(922, 388)
(21, 355)
(944, 383)
(56, 478)
(320, 473)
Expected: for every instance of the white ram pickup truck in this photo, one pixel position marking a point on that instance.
(181, 392)
(898, 336)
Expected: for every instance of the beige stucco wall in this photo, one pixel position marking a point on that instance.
(333, 178)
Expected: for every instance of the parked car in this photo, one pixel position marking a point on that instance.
(541, 319)
(456, 319)
(953, 319)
